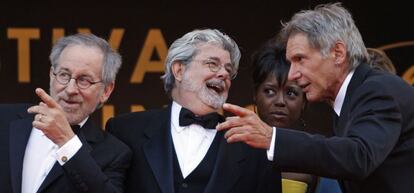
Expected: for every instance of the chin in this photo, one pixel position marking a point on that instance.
(281, 125)
(312, 97)
(216, 105)
(74, 118)
(214, 101)
(273, 123)
(73, 121)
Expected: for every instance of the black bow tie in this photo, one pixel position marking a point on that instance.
(208, 121)
(75, 129)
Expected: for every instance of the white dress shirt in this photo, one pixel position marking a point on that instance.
(191, 142)
(340, 97)
(339, 101)
(40, 156)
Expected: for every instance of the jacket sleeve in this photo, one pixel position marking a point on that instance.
(370, 133)
(102, 173)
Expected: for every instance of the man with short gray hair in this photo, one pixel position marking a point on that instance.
(54, 147)
(177, 149)
(373, 146)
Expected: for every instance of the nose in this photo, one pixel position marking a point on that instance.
(279, 101)
(294, 72)
(72, 87)
(223, 74)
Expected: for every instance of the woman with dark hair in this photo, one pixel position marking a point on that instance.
(279, 102)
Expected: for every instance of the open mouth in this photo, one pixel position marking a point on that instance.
(216, 86)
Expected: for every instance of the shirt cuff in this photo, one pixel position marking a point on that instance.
(68, 150)
(271, 149)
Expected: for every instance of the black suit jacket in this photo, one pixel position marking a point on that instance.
(373, 146)
(238, 169)
(99, 165)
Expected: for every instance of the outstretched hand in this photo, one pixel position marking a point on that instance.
(51, 119)
(245, 127)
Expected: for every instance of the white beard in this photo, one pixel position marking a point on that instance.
(206, 95)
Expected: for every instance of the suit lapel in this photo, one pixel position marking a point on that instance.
(54, 173)
(158, 150)
(19, 136)
(227, 168)
(359, 76)
(88, 133)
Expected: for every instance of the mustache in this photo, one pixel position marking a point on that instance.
(216, 82)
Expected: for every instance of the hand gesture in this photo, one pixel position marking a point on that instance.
(51, 119)
(245, 127)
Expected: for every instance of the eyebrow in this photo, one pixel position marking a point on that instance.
(80, 75)
(213, 58)
(218, 60)
(63, 69)
(271, 85)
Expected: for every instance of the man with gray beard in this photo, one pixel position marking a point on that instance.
(177, 149)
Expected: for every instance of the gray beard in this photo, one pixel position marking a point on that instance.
(207, 96)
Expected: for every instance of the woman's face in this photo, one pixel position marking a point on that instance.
(279, 105)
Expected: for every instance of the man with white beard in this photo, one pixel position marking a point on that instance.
(177, 149)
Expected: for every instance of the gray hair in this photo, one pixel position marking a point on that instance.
(185, 48)
(324, 26)
(111, 61)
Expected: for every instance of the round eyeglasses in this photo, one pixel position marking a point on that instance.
(215, 66)
(83, 82)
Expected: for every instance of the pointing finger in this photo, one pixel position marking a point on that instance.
(237, 110)
(47, 99)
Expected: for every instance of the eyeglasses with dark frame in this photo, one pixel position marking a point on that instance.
(214, 66)
(82, 82)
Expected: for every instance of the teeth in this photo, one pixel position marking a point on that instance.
(215, 87)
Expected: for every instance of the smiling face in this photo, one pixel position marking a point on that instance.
(318, 75)
(279, 105)
(198, 86)
(79, 61)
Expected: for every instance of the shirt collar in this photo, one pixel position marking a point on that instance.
(83, 122)
(340, 97)
(175, 116)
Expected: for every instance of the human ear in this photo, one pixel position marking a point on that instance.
(107, 92)
(339, 51)
(178, 70)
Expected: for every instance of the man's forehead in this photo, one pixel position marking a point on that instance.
(296, 43)
(89, 68)
(213, 53)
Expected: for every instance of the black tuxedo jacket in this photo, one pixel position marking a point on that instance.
(238, 169)
(373, 146)
(99, 165)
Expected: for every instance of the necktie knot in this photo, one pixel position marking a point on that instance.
(208, 121)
